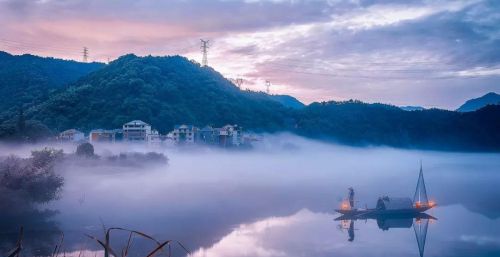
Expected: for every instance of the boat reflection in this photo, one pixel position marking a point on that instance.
(419, 222)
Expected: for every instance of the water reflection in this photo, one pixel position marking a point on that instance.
(39, 237)
(419, 222)
(420, 227)
(279, 203)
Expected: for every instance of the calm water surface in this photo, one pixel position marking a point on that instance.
(277, 201)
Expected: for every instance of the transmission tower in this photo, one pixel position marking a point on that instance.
(204, 49)
(85, 54)
(268, 85)
(239, 82)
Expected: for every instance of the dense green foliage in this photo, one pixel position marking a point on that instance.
(288, 101)
(165, 91)
(26, 184)
(20, 129)
(358, 123)
(27, 80)
(162, 91)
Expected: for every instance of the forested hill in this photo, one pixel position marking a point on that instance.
(288, 101)
(165, 91)
(26, 80)
(162, 91)
(358, 123)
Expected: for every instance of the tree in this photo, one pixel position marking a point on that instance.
(85, 150)
(21, 121)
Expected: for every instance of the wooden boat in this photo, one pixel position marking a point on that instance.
(390, 206)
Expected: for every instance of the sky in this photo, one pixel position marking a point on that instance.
(436, 53)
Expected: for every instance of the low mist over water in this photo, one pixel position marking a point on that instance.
(277, 199)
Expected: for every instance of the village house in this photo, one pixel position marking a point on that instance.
(154, 137)
(230, 135)
(184, 134)
(102, 135)
(140, 131)
(72, 135)
(207, 135)
(136, 130)
(227, 136)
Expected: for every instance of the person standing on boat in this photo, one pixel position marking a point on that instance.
(351, 197)
(380, 204)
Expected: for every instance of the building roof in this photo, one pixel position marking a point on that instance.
(71, 131)
(392, 203)
(106, 131)
(207, 128)
(136, 122)
(184, 126)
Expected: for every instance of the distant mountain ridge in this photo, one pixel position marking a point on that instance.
(412, 108)
(357, 123)
(480, 102)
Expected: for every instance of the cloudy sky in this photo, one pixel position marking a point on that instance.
(434, 53)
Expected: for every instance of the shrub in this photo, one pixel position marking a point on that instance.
(85, 150)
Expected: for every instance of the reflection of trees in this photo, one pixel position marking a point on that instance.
(25, 183)
(40, 235)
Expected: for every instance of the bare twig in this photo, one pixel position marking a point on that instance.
(19, 245)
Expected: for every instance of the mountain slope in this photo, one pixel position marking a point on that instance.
(480, 102)
(358, 123)
(412, 108)
(163, 91)
(26, 80)
(288, 101)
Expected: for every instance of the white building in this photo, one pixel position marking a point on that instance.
(71, 135)
(154, 137)
(136, 130)
(103, 135)
(230, 135)
(184, 134)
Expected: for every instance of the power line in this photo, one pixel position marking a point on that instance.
(357, 69)
(204, 50)
(36, 44)
(400, 70)
(31, 50)
(374, 77)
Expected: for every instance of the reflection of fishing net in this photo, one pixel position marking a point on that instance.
(420, 197)
(420, 227)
